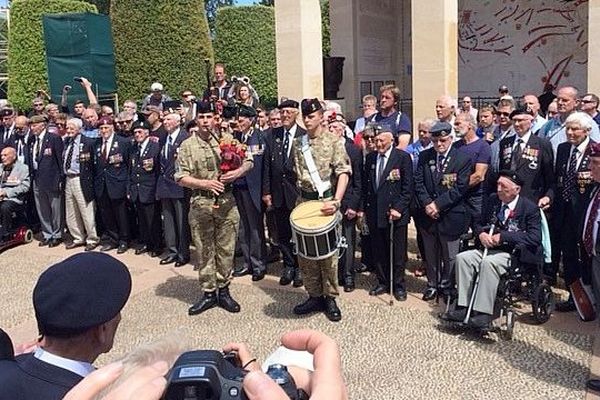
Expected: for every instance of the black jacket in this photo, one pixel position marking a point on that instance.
(112, 174)
(144, 173)
(166, 187)
(49, 174)
(353, 195)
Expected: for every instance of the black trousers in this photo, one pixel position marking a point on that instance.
(114, 218)
(252, 230)
(284, 236)
(380, 240)
(176, 227)
(346, 262)
(7, 208)
(566, 240)
(148, 216)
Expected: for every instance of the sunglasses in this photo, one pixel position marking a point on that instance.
(587, 101)
(60, 125)
(504, 114)
(38, 104)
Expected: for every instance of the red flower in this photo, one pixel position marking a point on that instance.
(511, 214)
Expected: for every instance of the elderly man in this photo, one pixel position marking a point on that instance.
(532, 103)
(8, 126)
(441, 185)
(517, 223)
(45, 156)
(467, 107)
(78, 167)
(388, 188)
(390, 115)
(77, 304)
(589, 105)
(279, 190)
(554, 130)
(14, 185)
(445, 109)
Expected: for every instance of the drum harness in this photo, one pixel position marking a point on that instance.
(321, 186)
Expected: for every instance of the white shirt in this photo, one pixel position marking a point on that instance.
(108, 144)
(538, 122)
(291, 135)
(580, 152)
(382, 158)
(37, 147)
(524, 141)
(587, 216)
(80, 368)
(173, 136)
(144, 144)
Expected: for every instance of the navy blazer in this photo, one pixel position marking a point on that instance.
(112, 174)
(256, 146)
(353, 194)
(536, 169)
(86, 164)
(144, 173)
(393, 192)
(279, 177)
(166, 187)
(49, 174)
(448, 189)
(522, 230)
(29, 378)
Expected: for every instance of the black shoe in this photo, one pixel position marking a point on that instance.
(362, 267)
(332, 311)
(73, 245)
(593, 384)
(258, 274)
(400, 294)
(108, 247)
(226, 302)
(91, 246)
(273, 257)
(566, 306)
(429, 294)
(154, 253)
(297, 278)
(457, 315)
(287, 276)
(181, 262)
(379, 289)
(170, 259)
(311, 305)
(481, 321)
(237, 272)
(208, 301)
(349, 285)
(122, 248)
(54, 242)
(141, 250)
(44, 242)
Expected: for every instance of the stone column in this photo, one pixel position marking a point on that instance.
(434, 54)
(299, 54)
(593, 47)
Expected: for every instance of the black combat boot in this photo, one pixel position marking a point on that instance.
(208, 301)
(332, 311)
(313, 304)
(226, 302)
(297, 278)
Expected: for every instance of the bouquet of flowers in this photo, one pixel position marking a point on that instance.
(233, 154)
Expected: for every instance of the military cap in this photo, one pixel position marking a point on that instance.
(382, 128)
(441, 129)
(140, 125)
(521, 110)
(7, 112)
(105, 120)
(594, 150)
(81, 292)
(204, 107)
(246, 111)
(288, 103)
(151, 109)
(36, 119)
(511, 175)
(228, 112)
(310, 106)
(503, 88)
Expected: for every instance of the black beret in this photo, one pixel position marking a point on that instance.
(140, 125)
(288, 103)
(594, 150)
(204, 107)
(246, 111)
(79, 293)
(7, 112)
(229, 112)
(521, 110)
(36, 119)
(441, 129)
(512, 175)
(310, 106)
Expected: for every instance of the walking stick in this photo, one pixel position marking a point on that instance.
(476, 284)
(391, 261)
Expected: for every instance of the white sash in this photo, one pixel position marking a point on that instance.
(321, 186)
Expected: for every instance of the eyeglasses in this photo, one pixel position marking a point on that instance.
(503, 114)
(587, 101)
(60, 124)
(38, 104)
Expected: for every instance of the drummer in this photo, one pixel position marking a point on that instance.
(326, 181)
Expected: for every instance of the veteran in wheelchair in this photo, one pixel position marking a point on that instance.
(510, 232)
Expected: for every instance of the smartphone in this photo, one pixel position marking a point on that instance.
(78, 79)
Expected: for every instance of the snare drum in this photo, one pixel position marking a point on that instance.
(316, 235)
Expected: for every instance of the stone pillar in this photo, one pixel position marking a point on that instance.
(593, 31)
(299, 54)
(344, 42)
(434, 54)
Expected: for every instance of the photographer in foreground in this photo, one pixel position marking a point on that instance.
(148, 381)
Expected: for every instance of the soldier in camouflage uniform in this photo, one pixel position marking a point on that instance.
(213, 216)
(333, 165)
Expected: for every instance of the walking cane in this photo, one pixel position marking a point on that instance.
(391, 262)
(476, 284)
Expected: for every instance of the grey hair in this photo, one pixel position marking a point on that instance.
(582, 119)
(428, 122)
(75, 121)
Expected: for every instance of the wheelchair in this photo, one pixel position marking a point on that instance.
(20, 233)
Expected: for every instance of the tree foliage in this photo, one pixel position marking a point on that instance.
(27, 69)
(164, 41)
(211, 7)
(325, 32)
(245, 42)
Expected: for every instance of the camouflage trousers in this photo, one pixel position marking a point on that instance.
(320, 276)
(214, 232)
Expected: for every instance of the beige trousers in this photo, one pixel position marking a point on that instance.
(80, 214)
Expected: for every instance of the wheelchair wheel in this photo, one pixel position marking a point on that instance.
(542, 303)
(28, 236)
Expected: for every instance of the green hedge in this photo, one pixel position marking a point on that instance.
(245, 42)
(157, 40)
(103, 6)
(27, 69)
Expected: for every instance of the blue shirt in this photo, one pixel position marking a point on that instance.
(91, 133)
(414, 149)
(398, 122)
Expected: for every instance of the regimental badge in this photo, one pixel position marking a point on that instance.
(532, 156)
(115, 159)
(84, 157)
(48, 152)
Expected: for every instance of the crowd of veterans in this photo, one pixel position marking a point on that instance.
(154, 180)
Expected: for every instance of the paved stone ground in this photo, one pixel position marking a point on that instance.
(398, 352)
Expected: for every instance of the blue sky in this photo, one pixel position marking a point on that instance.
(238, 2)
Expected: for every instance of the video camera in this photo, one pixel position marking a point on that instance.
(211, 375)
